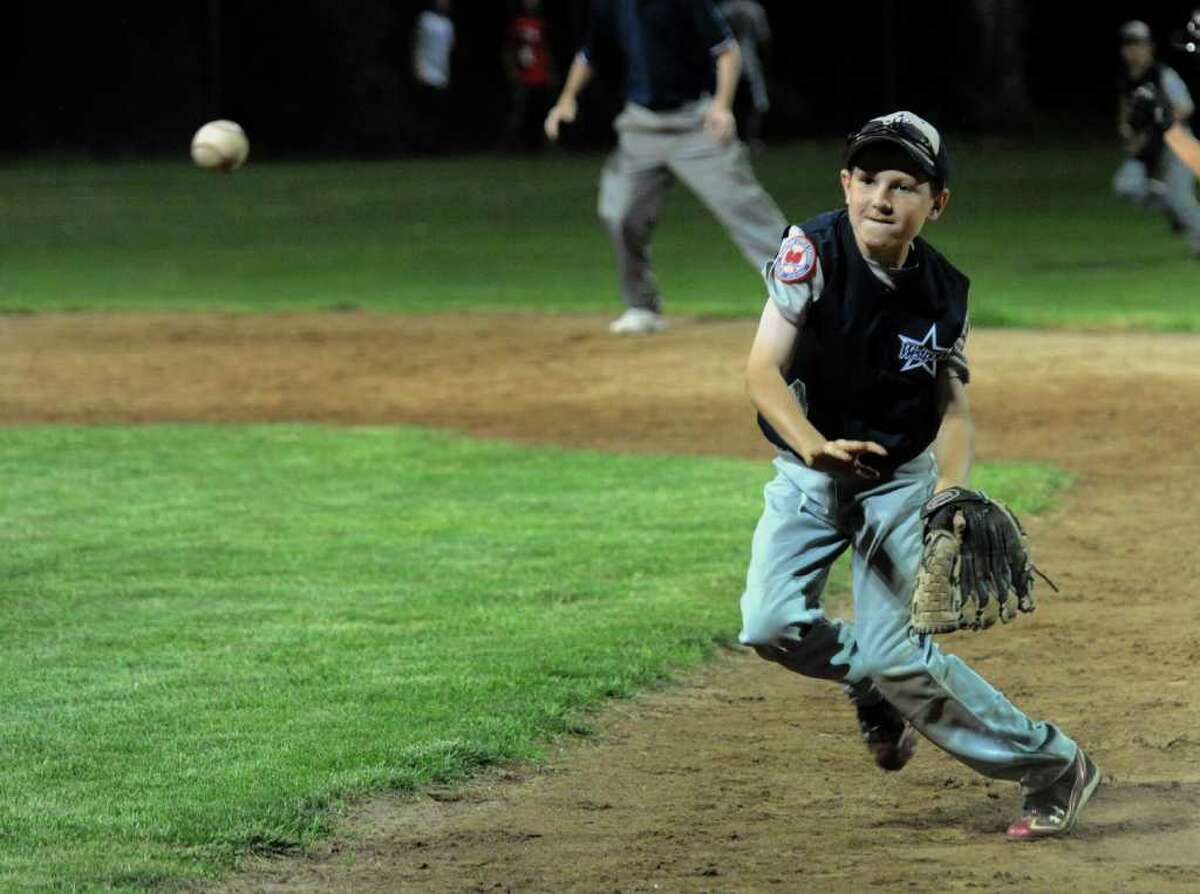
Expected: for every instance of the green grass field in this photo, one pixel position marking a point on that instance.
(1037, 230)
(217, 634)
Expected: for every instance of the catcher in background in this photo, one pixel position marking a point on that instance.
(858, 373)
(1152, 175)
(1153, 115)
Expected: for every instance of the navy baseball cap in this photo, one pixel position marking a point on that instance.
(912, 133)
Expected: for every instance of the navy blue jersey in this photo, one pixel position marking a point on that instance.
(666, 47)
(868, 352)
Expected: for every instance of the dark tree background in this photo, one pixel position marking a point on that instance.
(313, 77)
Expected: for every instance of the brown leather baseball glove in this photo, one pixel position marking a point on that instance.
(975, 565)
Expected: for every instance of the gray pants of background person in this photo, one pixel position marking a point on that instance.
(809, 520)
(1175, 192)
(655, 148)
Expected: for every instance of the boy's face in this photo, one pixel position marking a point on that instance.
(889, 201)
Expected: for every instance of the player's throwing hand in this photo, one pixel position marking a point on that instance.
(720, 124)
(563, 112)
(845, 456)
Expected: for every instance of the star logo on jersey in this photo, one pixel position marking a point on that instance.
(921, 354)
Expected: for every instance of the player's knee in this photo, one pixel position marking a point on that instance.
(820, 649)
(627, 225)
(766, 639)
(760, 631)
(1128, 192)
(612, 208)
(608, 215)
(768, 636)
(765, 625)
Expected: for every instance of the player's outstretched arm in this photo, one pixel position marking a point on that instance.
(770, 355)
(955, 444)
(567, 106)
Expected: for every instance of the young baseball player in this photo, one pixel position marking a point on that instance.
(1153, 175)
(1152, 111)
(681, 68)
(859, 376)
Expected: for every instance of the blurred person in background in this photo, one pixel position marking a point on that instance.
(432, 45)
(1149, 108)
(681, 66)
(748, 21)
(1152, 175)
(530, 71)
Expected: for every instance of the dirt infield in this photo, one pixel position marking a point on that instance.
(745, 777)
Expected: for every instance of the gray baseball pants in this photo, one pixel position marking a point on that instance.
(1176, 191)
(655, 148)
(809, 519)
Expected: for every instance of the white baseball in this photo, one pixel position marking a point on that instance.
(220, 146)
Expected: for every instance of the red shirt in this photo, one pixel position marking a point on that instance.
(527, 36)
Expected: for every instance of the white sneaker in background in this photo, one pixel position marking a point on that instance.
(638, 321)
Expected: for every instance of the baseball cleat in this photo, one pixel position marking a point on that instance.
(1055, 810)
(638, 321)
(889, 737)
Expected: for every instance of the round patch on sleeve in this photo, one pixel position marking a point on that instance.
(797, 259)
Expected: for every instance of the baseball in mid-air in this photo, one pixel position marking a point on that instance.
(220, 146)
